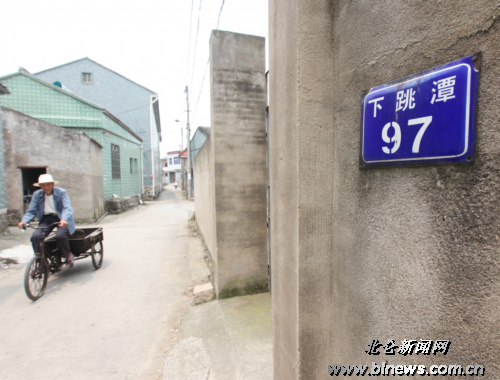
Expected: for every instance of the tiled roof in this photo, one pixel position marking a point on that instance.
(174, 152)
(88, 59)
(56, 88)
(205, 130)
(53, 87)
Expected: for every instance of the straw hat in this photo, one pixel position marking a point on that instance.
(45, 178)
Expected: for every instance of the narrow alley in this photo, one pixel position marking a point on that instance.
(113, 323)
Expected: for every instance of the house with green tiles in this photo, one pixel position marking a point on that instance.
(136, 105)
(121, 147)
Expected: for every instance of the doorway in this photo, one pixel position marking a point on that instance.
(30, 176)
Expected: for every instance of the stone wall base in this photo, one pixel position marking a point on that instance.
(148, 193)
(4, 222)
(13, 217)
(244, 286)
(119, 205)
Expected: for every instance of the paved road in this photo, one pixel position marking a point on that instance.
(113, 323)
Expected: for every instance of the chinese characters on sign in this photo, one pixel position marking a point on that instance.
(424, 119)
(409, 347)
(445, 89)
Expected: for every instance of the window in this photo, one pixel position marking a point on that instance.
(177, 160)
(133, 166)
(87, 78)
(115, 162)
(170, 161)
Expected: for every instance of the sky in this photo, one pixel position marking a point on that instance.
(162, 45)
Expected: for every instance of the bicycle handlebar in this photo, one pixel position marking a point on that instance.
(23, 228)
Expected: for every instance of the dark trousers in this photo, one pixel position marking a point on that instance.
(61, 235)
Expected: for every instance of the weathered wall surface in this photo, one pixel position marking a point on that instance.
(3, 186)
(73, 159)
(283, 161)
(238, 142)
(204, 195)
(399, 253)
(97, 184)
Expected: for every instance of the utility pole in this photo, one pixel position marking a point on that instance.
(188, 139)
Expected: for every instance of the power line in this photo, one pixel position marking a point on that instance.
(133, 109)
(189, 43)
(196, 43)
(220, 11)
(201, 88)
(208, 61)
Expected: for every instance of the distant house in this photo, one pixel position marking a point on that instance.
(134, 104)
(3, 192)
(164, 168)
(174, 166)
(121, 147)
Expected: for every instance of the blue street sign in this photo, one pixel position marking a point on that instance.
(425, 119)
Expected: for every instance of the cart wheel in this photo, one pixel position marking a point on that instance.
(97, 254)
(35, 278)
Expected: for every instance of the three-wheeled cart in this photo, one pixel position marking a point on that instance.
(83, 243)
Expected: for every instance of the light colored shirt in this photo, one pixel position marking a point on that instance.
(49, 207)
(61, 203)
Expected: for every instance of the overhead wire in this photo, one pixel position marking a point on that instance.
(132, 109)
(196, 43)
(220, 11)
(201, 87)
(189, 43)
(208, 61)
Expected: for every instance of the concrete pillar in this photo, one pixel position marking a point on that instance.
(301, 154)
(386, 253)
(3, 184)
(238, 142)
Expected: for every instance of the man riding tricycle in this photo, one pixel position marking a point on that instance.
(67, 244)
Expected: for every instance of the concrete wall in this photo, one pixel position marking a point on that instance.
(154, 183)
(283, 171)
(97, 185)
(73, 159)
(3, 186)
(204, 195)
(238, 143)
(400, 253)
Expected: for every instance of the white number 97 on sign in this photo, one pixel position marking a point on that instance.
(397, 136)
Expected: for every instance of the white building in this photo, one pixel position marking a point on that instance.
(172, 167)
